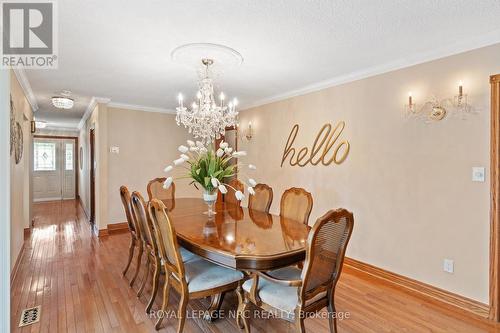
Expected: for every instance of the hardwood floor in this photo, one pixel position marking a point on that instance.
(77, 280)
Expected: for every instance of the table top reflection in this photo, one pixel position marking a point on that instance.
(237, 237)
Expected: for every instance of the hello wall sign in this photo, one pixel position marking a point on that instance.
(326, 149)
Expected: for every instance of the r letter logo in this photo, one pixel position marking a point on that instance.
(29, 35)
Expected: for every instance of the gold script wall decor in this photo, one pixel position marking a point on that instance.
(325, 142)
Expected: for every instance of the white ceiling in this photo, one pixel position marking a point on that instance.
(120, 49)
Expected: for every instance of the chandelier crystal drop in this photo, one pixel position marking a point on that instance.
(206, 119)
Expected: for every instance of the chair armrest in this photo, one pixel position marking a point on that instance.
(290, 283)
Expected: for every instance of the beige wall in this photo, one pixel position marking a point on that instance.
(148, 142)
(20, 192)
(407, 183)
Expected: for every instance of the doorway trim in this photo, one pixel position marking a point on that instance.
(92, 175)
(494, 293)
(76, 157)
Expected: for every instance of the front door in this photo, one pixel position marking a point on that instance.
(53, 169)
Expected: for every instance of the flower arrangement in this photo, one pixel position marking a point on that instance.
(210, 169)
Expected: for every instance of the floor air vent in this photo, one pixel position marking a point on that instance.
(30, 316)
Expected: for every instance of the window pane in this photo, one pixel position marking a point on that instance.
(45, 156)
(69, 156)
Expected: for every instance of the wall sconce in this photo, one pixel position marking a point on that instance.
(249, 133)
(411, 107)
(33, 126)
(435, 109)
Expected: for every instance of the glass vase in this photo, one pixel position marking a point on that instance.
(210, 197)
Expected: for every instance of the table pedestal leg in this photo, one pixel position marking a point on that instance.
(213, 311)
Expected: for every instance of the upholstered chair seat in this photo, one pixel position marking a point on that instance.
(187, 255)
(203, 275)
(281, 297)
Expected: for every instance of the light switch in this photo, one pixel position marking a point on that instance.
(114, 150)
(478, 174)
(448, 265)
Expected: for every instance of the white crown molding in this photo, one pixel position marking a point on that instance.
(144, 108)
(26, 86)
(57, 128)
(438, 53)
(93, 102)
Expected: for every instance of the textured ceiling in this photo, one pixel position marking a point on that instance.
(121, 49)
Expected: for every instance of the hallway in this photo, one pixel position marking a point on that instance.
(77, 280)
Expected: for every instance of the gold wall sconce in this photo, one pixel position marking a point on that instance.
(437, 109)
(249, 132)
(460, 100)
(33, 126)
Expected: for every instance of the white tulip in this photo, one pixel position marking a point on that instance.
(239, 153)
(199, 144)
(194, 149)
(183, 149)
(168, 182)
(219, 152)
(228, 150)
(251, 190)
(239, 195)
(179, 161)
(215, 182)
(252, 167)
(224, 145)
(185, 157)
(222, 189)
(168, 168)
(252, 182)
(190, 143)
(203, 150)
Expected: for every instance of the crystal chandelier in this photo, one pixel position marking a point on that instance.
(206, 119)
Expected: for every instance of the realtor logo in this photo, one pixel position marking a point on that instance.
(29, 34)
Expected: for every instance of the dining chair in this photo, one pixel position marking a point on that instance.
(230, 197)
(144, 223)
(296, 204)
(194, 278)
(156, 190)
(262, 199)
(292, 293)
(134, 231)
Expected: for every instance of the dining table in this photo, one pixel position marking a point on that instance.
(237, 237)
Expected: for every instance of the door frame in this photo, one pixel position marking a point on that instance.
(75, 154)
(494, 293)
(92, 175)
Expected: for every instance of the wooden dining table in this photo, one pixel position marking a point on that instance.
(236, 237)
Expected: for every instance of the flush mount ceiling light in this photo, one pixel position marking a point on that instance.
(40, 124)
(63, 101)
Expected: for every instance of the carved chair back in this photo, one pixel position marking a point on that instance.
(125, 197)
(156, 190)
(262, 199)
(143, 221)
(326, 246)
(296, 204)
(166, 238)
(229, 197)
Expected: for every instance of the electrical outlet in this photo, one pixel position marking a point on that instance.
(478, 174)
(114, 150)
(448, 265)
